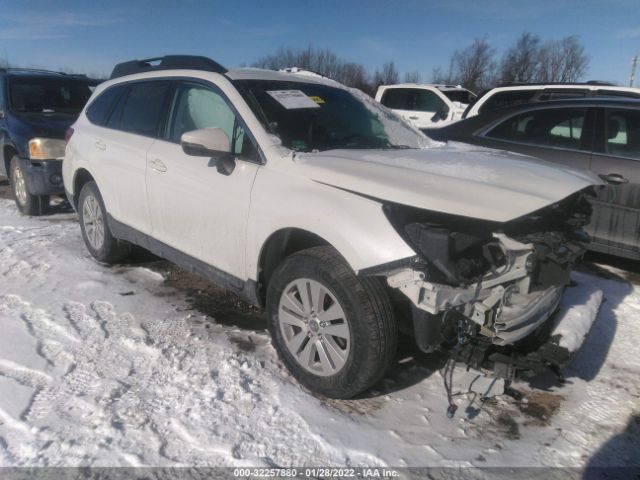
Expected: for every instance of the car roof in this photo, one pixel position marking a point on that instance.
(29, 73)
(440, 86)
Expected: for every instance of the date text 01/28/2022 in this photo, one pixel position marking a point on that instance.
(315, 472)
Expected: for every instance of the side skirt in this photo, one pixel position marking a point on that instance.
(247, 290)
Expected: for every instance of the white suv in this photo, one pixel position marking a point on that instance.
(426, 105)
(515, 94)
(312, 201)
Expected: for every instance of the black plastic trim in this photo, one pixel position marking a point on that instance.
(246, 289)
(168, 62)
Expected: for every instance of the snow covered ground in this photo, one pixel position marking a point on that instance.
(128, 366)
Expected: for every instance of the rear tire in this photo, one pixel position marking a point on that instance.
(27, 203)
(342, 337)
(102, 245)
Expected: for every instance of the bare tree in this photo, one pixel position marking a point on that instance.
(412, 76)
(322, 61)
(521, 62)
(563, 60)
(387, 76)
(474, 66)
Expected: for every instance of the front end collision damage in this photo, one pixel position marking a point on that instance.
(486, 291)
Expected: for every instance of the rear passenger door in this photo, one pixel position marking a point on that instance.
(122, 147)
(615, 226)
(194, 208)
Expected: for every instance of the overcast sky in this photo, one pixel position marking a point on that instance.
(90, 36)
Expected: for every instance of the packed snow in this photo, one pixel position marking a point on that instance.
(117, 366)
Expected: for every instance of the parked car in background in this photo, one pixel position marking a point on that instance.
(36, 109)
(513, 94)
(426, 105)
(311, 200)
(598, 134)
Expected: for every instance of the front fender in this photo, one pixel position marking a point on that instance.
(354, 225)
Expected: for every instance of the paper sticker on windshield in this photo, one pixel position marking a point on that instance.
(316, 99)
(292, 99)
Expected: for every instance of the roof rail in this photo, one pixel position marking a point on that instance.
(168, 62)
(39, 70)
(525, 84)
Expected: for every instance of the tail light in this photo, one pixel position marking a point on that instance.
(67, 135)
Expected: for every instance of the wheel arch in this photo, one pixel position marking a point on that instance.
(8, 151)
(80, 178)
(278, 246)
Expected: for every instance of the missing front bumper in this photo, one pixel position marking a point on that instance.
(505, 306)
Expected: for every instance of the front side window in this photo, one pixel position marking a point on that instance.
(623, 133)
(559, 128)
(195, 107)
(48, 95)
(315, 117)
(427, 101)
(142, 108)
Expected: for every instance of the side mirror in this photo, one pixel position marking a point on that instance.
(441, 114)
(210, 142)
(206, 142)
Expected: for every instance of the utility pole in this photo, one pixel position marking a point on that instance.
(634, 63)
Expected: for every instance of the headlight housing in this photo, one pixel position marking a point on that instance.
(46, 149)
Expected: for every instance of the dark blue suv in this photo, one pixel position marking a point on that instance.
(36, 109)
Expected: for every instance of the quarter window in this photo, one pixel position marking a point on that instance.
(98, 111)
(623, 133)
(143, 107)
(559, 128)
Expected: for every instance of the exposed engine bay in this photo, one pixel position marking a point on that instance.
(485, 291)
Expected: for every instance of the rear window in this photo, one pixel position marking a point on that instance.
(617, 94)
(459, 96)
(507, 99)
(141, 112)
(99, 110)
(48, 95)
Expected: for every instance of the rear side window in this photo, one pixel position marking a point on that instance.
(396, 98)
(623, 133)
(142, 108)
(99, 110)
(554, 127)
(507, 99)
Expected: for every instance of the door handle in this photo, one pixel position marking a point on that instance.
(614, 178)
(413, 117)
(100, 145)
(157, 165)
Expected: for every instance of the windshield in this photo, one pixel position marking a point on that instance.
(460, 96)
(48, 95)
(314, 117)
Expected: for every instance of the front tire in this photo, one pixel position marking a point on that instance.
(97, 237)
(335, 331)
(27, 203)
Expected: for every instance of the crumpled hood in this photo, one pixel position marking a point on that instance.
(458, 179)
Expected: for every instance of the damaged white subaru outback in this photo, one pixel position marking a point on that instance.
(346, 224)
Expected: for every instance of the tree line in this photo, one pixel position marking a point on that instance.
(476, 66)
